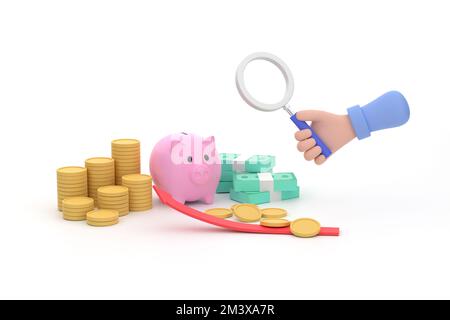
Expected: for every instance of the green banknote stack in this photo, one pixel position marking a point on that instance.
(249, 179)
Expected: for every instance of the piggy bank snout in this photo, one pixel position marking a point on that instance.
(200, 174)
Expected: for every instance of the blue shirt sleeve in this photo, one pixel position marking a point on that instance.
(388, 111)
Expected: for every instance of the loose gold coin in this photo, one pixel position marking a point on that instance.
(222, 213)
(305, 227)
(275, 223)
(78, 202)
(237, 204)
(102, 215)
(112, 191)
(102, 224)
(71, 171)
(273, 213)
(247, 213)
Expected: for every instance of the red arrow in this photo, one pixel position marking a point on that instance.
(228, 224)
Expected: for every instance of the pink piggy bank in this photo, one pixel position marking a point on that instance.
(186, 166)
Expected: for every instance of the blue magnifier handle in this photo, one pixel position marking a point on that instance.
(302, 125)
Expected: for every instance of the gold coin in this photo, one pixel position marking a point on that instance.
(75, 215)
(135, 199)
(222, 213)
(102, 215)
(275, 223)
(63, 195)
(238, 204)
(95, 180)
(129, 160)
(106, 198)
(72, 188)
(78, 202)
(71, 171)
(96, 185)
(126, 157)
(247, 213)
(102, 224)
(125, 143)
(273, 213)
(121, 173)
(77, 212)
(140, 191)
(134, 209)
(123, 170)
(140, 205)
(99, 162)
(140, 195)
(72, 181)
(137, 178)
(101, 174)
(305, 227)
(73, 193)
(112, 204)
(113, 190)
(72, 218)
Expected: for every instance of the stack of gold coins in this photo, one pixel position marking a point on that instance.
(139, 190)
(72, 182)
(75, 208)
(102, 218)
(100, 173)
(127, 156)
(113, 198)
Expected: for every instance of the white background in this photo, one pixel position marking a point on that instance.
(76, 74)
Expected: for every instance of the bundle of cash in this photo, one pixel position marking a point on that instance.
(233, 163)
(250, 179)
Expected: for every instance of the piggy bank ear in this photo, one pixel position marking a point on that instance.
(176, 149)
(209, 140)
(175, 140)
(210, 145)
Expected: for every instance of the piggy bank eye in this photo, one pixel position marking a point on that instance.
(189, 159)
(206, 157)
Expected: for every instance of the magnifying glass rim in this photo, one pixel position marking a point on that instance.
(289, 79)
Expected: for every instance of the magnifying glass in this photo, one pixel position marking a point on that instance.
(283, 103)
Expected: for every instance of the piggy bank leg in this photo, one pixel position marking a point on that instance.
(208, 199)
(179, 198)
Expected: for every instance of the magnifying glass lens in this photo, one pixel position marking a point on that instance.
(264, 81)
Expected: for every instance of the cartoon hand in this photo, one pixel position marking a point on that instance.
(334, 130)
